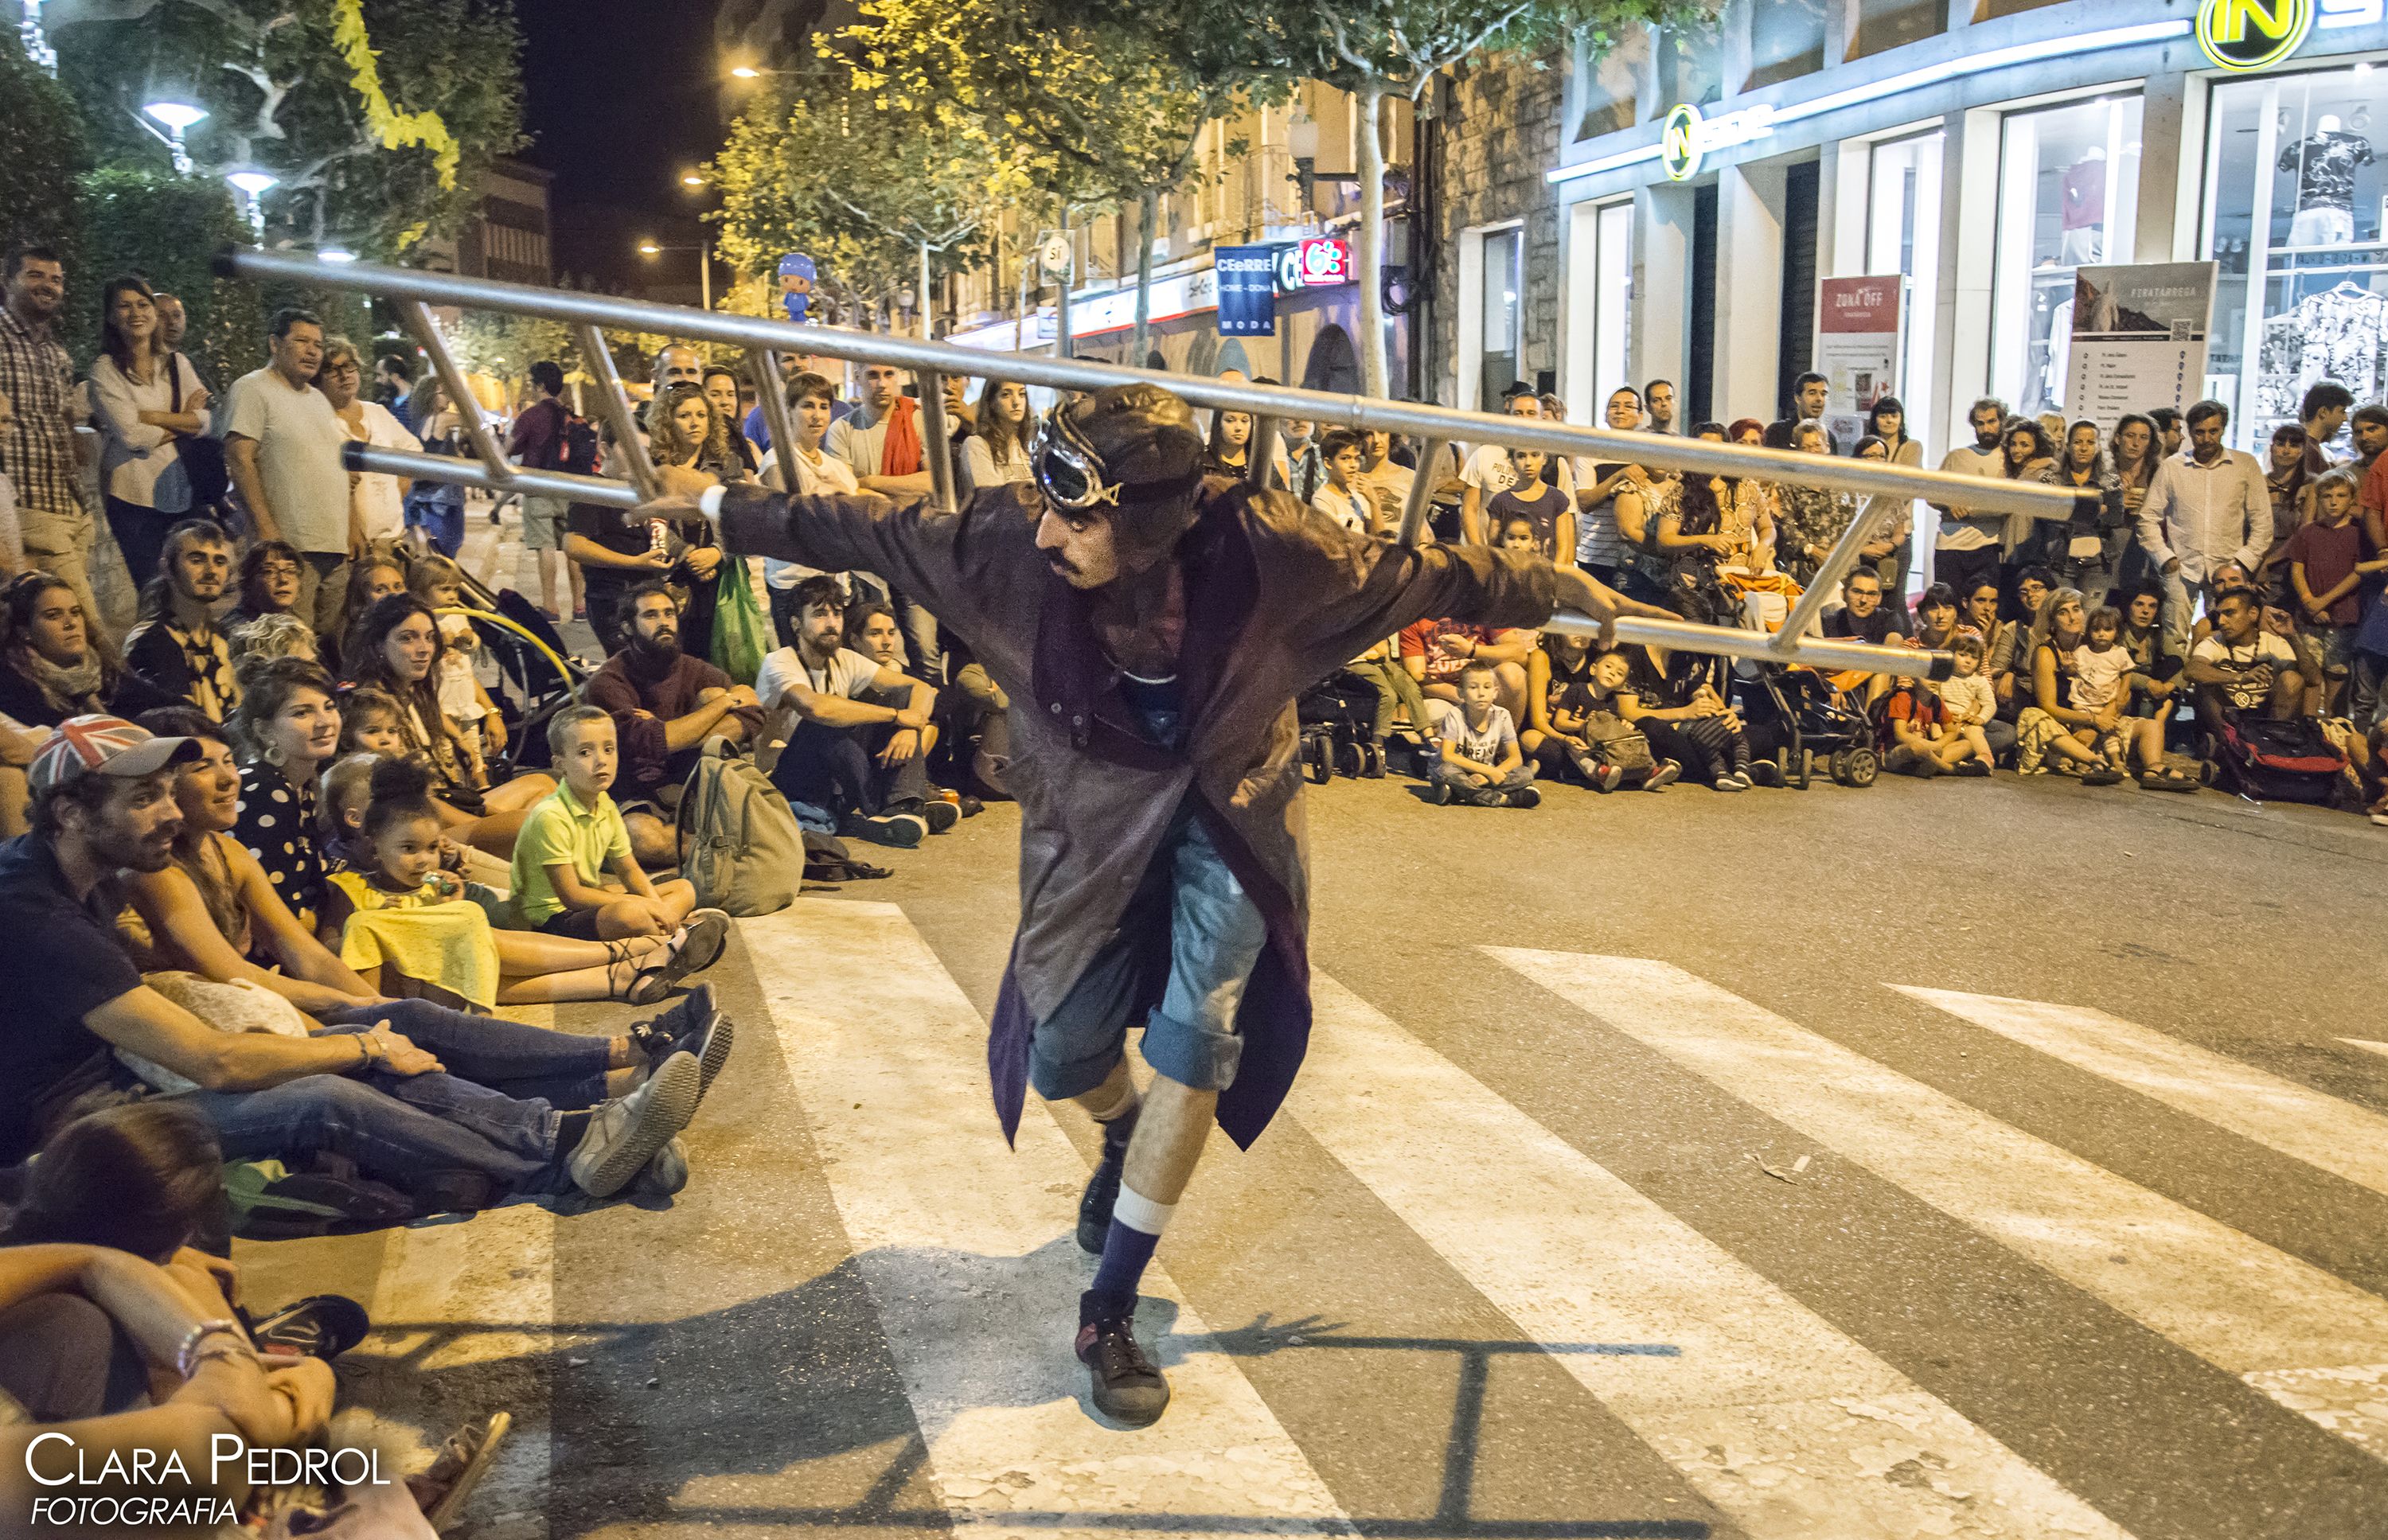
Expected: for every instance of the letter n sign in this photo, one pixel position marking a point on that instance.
(2252, 35)
(1679, 142)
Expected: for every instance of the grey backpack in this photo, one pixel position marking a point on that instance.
(740, 846)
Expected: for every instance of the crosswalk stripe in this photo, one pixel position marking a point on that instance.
(2280, 1114)
(2366, 1044)
(1772, 1415)
(2311, 1341)
(969, 1252)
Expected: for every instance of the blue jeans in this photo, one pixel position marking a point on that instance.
(1214, 934)
(563, 1069)
(393, 1127)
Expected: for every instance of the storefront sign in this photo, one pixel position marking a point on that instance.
(1171, 298)
(2139, 338)
(1247, 290)
(1316, 264)
(1688, 137)
(1857, 346)
(2252, 35)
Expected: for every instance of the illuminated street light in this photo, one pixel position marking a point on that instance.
(335, 254)
(692, 180)
(178, 116)
(252, 186)
(747, 73)
(704, 249)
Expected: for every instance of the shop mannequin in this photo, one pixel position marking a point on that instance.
(2325, 163)
(2085, 209)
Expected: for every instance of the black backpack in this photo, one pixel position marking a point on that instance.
(576, 452)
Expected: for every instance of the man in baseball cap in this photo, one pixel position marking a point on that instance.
(103, 746)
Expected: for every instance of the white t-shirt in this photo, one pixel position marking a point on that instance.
(2265, 648)
(1487, 745)
(979, 469)
(849, 674)
(1341, 507)
(1489, 470)
(814, 479)
(1956, 533)
(2096, 674)
(298, 442)
(377, 496)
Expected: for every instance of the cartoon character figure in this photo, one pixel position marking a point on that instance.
(797, 276)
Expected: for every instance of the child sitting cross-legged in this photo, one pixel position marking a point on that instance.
(1967, 702)
(1481, 764)
(574, 873)
(398, 908)
(1917, 739)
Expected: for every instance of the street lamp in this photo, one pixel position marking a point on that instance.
(704, 249)
(692, 180)
(252, 186)
(178, 116)
(37, 46)
(743, 71)
(336, 253)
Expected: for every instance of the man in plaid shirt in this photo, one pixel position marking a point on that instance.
(39, 449)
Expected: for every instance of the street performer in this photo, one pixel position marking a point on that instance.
(1152, 628)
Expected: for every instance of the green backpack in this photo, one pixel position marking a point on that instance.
(740, 846)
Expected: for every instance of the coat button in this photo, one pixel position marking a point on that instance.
(1057, 708)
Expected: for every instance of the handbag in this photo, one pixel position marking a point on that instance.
(202, 456)
(742, 630)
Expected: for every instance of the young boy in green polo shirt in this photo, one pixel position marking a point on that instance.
(574, 873)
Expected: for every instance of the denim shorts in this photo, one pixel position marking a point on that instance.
(1189, 940)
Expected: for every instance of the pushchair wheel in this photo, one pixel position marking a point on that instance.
(1801, 769)
(1349, 760)
(1372, 762)
(1855, 766)
(1318, 758)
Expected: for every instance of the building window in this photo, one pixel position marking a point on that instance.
(1903, 236)
(1885, 24)
(1606, 83)
(1504, 283)
(1600, 305)
(2294, 220)
(1786, 41)
(1691, 64)
(2068, 196)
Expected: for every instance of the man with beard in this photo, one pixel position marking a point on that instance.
(1153, 629)
(665, 705)
(854, 726)
(37, 442)
(175, 647)
(104, 803)
(1969, 546)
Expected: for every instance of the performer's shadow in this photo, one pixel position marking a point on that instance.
(820, 1406)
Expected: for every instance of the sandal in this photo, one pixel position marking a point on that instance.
(442, 1490)
(321, 1326)
(651, 983)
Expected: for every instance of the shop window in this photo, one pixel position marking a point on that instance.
(1885, 24)
(1794, 349)
(2296, 207)
(1786, 41)
(1504, 282)
(1600, 304)
(1691, 64)
(1903, 236)
(2068, 196)
(1334, 364)
(1608, 82)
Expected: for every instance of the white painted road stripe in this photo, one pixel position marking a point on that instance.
(2311, 1341)
(969, 1252)
(2297, 1121)
(1769, 1412)
(2368, 1044)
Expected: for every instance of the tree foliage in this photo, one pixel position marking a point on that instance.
(165, 228)
(43, 150)
(377, 116)
(862, 182)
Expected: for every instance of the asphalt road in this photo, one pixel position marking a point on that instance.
(1629, 1191)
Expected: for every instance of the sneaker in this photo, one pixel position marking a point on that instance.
(624, 1134)
(1128, 1387)
(708, 934)
(1924, 767)
(688, 1012)
(1974, 769)
(900, 829)
(1439, 793)
(1606, 778)
(938, 814)
(321, 1326)
(664, 1175)
(1765, 772)
(709, 1044)
(1664, 775)
(1094, 1205)
(1524, 796)
(1730, 782)
(2105, 774)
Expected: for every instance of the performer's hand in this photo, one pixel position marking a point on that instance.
(684, 481)
(674, 507)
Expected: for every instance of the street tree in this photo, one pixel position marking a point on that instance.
(883, 196)
(1087, 112)
(375, 116)
(1375, 50)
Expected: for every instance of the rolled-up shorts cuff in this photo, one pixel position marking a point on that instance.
(1196, 1057)
(1058, 1079)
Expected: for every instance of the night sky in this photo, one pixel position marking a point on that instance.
(621, 96)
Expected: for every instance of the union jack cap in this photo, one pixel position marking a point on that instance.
(105, 746)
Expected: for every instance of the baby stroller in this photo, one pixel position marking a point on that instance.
(537, 676)
(1339, 729)
(1798, 717)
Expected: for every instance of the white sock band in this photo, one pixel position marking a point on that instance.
(1139, 1212)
